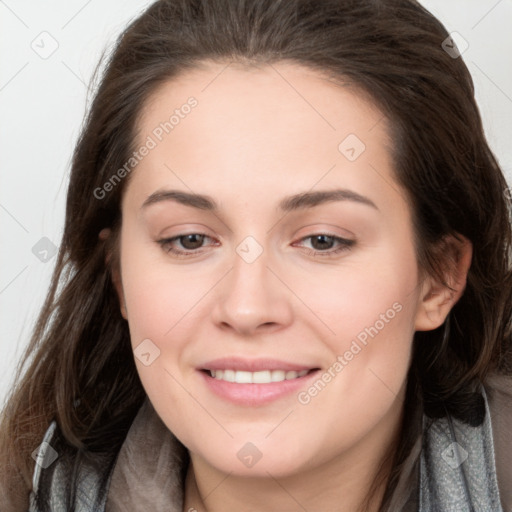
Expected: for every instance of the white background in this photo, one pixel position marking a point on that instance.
(43, 101)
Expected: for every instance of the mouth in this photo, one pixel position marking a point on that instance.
(255, 383)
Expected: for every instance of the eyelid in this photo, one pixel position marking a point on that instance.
(322, 228)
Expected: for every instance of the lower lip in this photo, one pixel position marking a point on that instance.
(255, 394)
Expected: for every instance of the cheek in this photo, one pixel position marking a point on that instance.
(159, 303)
(379, 290)
(369, 309)
(157, 295)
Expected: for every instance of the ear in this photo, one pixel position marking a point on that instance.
(436, 298)
(116, 274)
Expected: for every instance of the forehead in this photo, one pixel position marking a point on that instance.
(273, 122)
(280, 92)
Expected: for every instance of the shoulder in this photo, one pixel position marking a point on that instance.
(466, 466)
(499, 392)
(47, 459)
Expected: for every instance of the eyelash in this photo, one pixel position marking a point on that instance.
(345, 245)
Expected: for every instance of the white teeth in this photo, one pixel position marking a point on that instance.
(278, 376)
(261, 377)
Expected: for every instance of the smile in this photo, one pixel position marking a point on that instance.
(258, 388)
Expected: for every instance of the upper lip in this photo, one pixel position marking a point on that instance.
(253, 365)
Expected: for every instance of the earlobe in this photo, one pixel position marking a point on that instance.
(437, 299)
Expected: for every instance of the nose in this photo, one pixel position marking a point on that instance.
(253, 297)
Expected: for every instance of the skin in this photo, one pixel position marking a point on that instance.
(256, 137)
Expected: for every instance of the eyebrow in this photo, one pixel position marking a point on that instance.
(296, 202)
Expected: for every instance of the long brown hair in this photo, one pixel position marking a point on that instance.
(79, 369)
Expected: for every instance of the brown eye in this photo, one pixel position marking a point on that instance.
(325, 241)
(190, 243)
(322, 244)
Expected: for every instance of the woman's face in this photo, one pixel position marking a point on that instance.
(299, 258)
